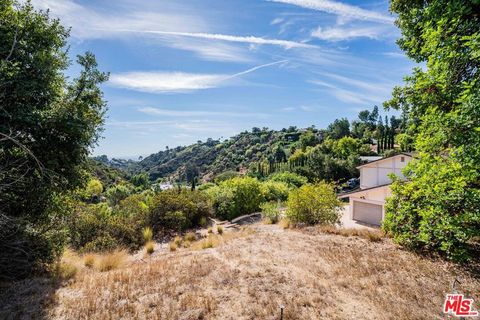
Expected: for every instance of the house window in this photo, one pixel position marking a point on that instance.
(402, 159)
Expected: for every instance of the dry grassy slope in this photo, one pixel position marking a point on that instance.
(314, 275)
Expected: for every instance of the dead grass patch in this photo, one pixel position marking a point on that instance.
(370, 235)
(111, 261)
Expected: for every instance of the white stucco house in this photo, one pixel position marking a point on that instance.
(367, 204)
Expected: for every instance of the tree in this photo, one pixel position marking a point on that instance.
(339, 128)
(437, 208)
(308, 139)
(51, 124)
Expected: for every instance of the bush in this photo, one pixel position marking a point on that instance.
(205, 186)
(150, 247)
(97, 227)
(147, 234)
(236, 197)
(293, 180)
(111, 261)
(227, 175)
(178, 210)
(271, 211)
(117, 193)
(314, 204)
(274, 190)
(219, 229)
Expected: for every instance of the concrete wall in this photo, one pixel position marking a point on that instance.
(376, 173)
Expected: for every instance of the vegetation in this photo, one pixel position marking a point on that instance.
(437, 209)
(314, 204)
(41, 108)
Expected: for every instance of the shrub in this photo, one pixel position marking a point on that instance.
(150, 247)
(274, 190)
(172, 246)
(117, 193)
(96, 227)
(210, 230)
(219, 229)
(64, 271)
(205, 186)
(190, 236)
(235, 197)
(111, 261)
(271, 211)
(177, 240)
(293, 180)
(314, 204)
(147, 234)
(178, 210)
(227, 175)
(89, 260)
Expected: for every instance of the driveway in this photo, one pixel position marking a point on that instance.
(349, 223)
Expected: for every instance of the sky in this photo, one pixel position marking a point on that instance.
(183, 71)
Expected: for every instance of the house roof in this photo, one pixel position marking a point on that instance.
(382, 159)
(347, 194)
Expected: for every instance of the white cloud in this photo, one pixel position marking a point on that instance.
(169, 82)
(185, 113)
(339, 34)
(350, 96)
(230, 38)
(341, 9)
(276, 21)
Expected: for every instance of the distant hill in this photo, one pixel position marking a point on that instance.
(214, 156)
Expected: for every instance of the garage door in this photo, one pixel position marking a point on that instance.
(367, 212)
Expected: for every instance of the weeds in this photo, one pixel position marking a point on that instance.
(111, 261)
(220, 230)
(147, 234)
(173, 246)
(150, 247)
(89, 260)
(190, 236)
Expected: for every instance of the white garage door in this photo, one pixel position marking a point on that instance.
(367, 212)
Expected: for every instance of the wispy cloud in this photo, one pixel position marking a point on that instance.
(176, 82)
(287, 44)
(342, 33)
(341, 9)
(185, 113)
(350, 96)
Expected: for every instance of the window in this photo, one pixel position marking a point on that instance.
(402, 159)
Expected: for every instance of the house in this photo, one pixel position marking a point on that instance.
(367, 204)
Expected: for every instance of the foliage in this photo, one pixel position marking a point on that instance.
(291, 179)
(178, 210)
(140, 181)
(96, 227)
(236, 197)
(94, 188)
(117, 193)
(271, 211)
(226, 176)
(47, 126)
(313, 204)
(339, 128)
(274, 190)
(437, 209)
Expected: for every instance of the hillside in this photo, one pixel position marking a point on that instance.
(213, 156)
(250, 275)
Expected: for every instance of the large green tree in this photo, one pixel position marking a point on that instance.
(47, 126)
(438, 207)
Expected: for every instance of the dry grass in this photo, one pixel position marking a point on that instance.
(220, 230)
(89, 260)
(315, 275)
(147, 234)
(371, 235)
(172, 246)
(190, 236)
(285, 223)
(150, 247)
(111, 261)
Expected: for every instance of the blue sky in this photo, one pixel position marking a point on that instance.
(183, 71)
